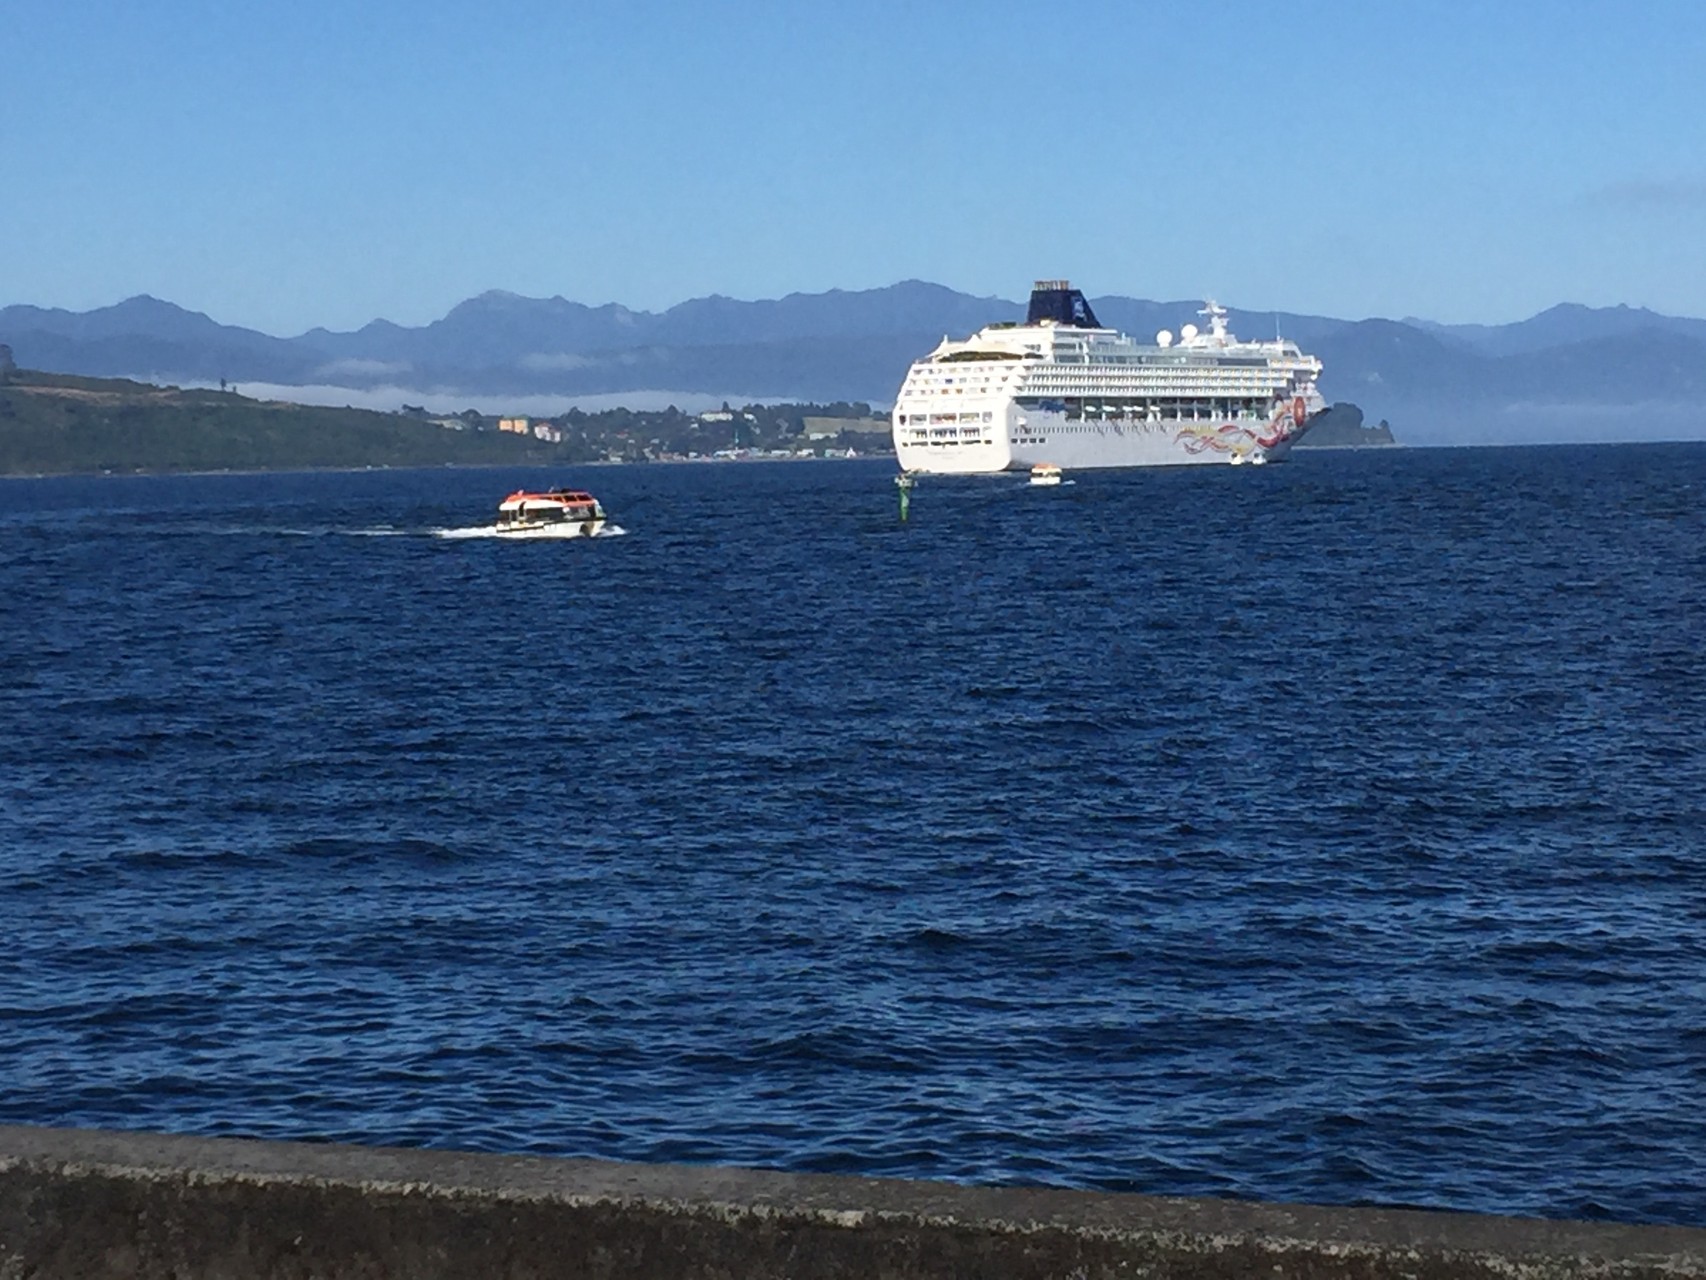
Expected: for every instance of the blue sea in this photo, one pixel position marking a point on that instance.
(1328, 832)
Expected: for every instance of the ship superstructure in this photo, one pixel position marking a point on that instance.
(1062, 389)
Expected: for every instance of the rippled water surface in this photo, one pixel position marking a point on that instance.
(1326, 832)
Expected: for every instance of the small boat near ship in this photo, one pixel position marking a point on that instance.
(1045, 473)
(555, 513)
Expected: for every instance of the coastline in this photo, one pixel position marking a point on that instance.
(424, 466)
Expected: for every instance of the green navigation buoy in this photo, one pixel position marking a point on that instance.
(904, 482)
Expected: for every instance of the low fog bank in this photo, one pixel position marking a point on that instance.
(389, 399)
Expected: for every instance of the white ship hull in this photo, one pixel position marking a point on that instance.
(574, 529)
(1084, 446)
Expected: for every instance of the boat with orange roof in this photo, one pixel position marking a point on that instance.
(553, 513)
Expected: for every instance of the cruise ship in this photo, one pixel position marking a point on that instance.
(1062, 390)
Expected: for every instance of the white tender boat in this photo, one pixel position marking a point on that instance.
(555, 513)
(1045, 473)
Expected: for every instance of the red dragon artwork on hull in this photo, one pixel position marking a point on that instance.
(1230, 437)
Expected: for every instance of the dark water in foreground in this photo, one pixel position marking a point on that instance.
(1328, 832)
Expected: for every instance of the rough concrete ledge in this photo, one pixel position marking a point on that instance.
(85, 1204)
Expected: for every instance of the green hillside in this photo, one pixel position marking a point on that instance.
(59, 423)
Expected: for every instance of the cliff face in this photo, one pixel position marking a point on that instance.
(1340, 427)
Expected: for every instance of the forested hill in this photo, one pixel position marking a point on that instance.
(57, 423)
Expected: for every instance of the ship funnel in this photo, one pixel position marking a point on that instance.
(1058, 301)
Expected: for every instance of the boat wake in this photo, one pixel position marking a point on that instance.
(297, 531)
(478, 531)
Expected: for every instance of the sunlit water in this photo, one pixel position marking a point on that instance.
(1329, 831)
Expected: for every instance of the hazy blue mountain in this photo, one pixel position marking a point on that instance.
(500, 328)
(1144, 320)
(154, 359)
(1648, 384)
(1564, 324)
(497, 330)
(141, 316)
(145, 336)
(1574, 364)
(1377, 359)
(912, 306)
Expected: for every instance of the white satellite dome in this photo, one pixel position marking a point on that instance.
(1188, 332)
(1164, 338)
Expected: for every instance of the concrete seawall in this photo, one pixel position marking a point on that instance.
(86, 1204)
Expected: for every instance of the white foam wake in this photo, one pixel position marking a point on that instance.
(478, 531)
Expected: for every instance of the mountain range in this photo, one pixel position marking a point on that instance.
(1571, 372)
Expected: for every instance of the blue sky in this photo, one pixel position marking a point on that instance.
(282, 166)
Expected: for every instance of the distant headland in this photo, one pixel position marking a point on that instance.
(1340, 427)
